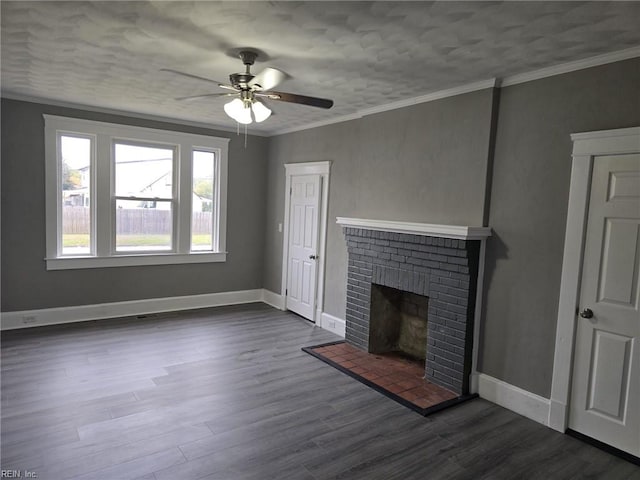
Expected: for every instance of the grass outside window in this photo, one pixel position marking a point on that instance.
(80, 240)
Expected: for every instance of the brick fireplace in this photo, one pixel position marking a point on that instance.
(432, 268)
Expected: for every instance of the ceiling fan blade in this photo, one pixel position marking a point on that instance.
(301, 99)
(206, 95)
(267, 79)
(178, 72)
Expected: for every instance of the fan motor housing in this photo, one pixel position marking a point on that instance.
(240, 79)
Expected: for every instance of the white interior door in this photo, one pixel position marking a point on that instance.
(605, 396)
(303, 244)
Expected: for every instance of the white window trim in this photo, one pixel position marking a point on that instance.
(102, 247)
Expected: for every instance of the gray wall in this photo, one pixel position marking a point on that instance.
(530, 190)
(26, 284)
(425, 163)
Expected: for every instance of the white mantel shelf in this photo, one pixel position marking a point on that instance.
(461, 232)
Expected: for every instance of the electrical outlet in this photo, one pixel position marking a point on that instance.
(280, 227)
(26, 319)
(332, 324)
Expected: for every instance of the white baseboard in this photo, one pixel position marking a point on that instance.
(558, 413)
(53, 316)
(82, 313)
(516, 399)
(331, 323)
(274, 299)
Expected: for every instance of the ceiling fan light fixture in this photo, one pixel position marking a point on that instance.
(260, 111)
(246, 108)
(237, 110)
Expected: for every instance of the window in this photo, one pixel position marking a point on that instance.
(75, 172)
(119, 195)
(202, 226)
(144, 197)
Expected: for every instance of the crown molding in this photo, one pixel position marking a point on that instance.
(568, 67)
(571, 66)
(429, 97)
(321, 123)
(125, 113)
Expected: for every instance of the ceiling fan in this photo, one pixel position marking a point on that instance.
(249, 89)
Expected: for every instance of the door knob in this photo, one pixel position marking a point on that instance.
(586, 313)
(312, 257)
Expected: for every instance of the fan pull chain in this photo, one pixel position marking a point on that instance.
(245, 132)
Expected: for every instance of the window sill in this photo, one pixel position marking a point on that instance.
(71, 263)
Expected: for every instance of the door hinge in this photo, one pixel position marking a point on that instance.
(290, 190)
(286, 291)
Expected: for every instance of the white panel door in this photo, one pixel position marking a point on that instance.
(605, 398)
(303, 244)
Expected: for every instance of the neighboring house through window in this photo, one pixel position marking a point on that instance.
(121, 195)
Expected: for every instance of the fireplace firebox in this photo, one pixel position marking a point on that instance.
(398, 322)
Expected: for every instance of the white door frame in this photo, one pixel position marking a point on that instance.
(586, 147)
(308, 168)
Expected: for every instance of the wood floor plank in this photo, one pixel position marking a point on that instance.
(95, 458)
(135, 468)
(227, 394)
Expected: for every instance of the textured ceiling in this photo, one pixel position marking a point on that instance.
(361, 54)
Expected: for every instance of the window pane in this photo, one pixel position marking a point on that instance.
(143, 226)
(202, 201)
(143, 171)
(76, 189)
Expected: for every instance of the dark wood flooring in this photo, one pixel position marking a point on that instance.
(227, 394)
